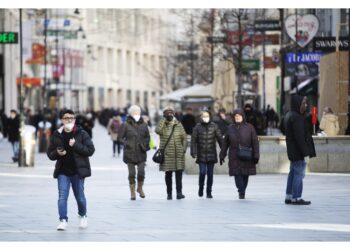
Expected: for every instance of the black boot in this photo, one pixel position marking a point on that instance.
(241, 196)
(200, 191)
(180, 196)
(170, 197)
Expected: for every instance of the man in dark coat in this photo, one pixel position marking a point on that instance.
(13, 133)
(71, 147)
(134, 134)
(222, 121)
(203, 147)
(241, 133)
(299, 145)
(188, 121)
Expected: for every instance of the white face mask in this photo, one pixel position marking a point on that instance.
(136, 117)
(206, 119)
(69, 126)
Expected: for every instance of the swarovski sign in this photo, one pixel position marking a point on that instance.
(329, 44)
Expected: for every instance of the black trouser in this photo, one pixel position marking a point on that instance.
(169, 181)
(241, 183)
(119, 146)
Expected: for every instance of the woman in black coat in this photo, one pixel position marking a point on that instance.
(240, 133)
(203, 147)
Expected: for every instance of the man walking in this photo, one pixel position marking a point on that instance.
(299, 145)
(71, 147)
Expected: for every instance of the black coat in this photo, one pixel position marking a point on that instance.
(298, 138)
(135, 137)
(188, 122)
(203, 142)
(13, 129)
(82, 150)
(245, 135)
(222, 124)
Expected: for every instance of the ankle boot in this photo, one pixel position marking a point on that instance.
(139, 189)
(180, 196)
(132, 191)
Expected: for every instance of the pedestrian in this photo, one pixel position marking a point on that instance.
(71, 147)
(243, 145)
(13, 133)
(113, 128)
(329, 122)
(188, 121)
(299, 145)
(169, 128)
(203, 148)
(222, 121)
(3, 122)
(135, 137)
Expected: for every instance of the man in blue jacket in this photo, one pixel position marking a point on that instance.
(299, 145)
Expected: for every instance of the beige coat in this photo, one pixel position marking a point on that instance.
(329, 124)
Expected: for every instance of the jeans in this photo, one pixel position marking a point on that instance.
(169, 181)
(116, 143)
(206, 169)
(64, 183)
(15, 148)
(295, 179)
(241, 183)
(140, 172)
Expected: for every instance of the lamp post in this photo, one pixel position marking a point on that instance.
(21, 161)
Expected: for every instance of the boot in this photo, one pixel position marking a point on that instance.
(180, 196)
(132, 191)
(139, 189)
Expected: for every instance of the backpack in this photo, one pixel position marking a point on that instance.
(115, 126)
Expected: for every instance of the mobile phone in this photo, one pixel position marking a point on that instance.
(60, 148)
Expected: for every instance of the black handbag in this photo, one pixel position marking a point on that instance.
(244, 153)
(158, 156)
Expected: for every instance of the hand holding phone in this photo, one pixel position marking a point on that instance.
(61, 151)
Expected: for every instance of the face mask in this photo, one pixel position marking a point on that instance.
(169, 118)
(206, 119)
(69, 126)
(136, 117)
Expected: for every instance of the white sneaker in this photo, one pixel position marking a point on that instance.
(63, 225)
(83, 222)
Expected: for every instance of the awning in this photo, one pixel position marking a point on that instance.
(196, 90)
(29, 81)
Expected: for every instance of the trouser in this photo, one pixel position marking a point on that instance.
(206, 169)
(169, 182)
(140, 172)
(116, 143)
(295, 180)
(241, 183)
(15, 148)
(64, 183)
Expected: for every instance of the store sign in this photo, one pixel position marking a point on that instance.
(251, 64)
(301, 28)
(267, 25)
(216, 39)
(8, 37)
(247, 40)
(304, 57)
(329, 44)
(56, 23)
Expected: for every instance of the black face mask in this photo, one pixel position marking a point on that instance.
(169, 118)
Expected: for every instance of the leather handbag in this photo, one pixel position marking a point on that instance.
(158, 156)
(244, 153)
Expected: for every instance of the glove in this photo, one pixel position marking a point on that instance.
(221, 161)
(193, 156)
(256, 161)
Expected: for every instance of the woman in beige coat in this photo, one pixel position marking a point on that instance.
(329, 122)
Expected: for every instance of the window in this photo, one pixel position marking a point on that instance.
(128, 97)
(137, 97)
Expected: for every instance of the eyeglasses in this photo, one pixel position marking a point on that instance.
(68, 118)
